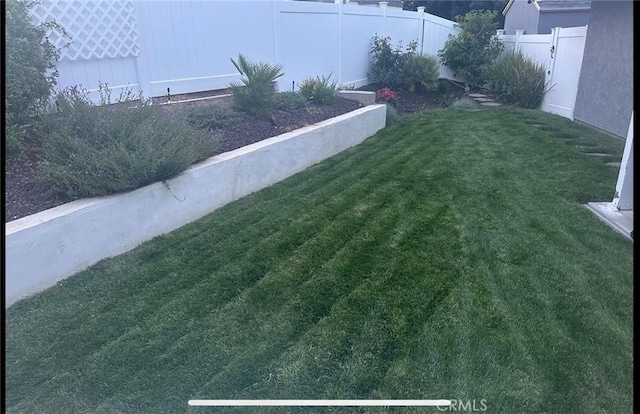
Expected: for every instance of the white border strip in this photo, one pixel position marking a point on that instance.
(320, 403)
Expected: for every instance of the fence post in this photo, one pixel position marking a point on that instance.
(499, 36)
(421, 16)
(274, 21)
(519, 33)
(383, 4)
(340, 41)
(141, 61)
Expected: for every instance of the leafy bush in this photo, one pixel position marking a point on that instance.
(447, 100)
(420, 73)
(516, 79)
(319, 90)
(92, 150)
(287, 101)
(30, 70)
(470, 52)
(208, 117)
(14, 134)
(255, 94)
(387, 64)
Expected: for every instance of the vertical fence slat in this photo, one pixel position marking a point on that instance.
(421, 41)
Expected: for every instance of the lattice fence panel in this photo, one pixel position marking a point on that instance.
(98, 29)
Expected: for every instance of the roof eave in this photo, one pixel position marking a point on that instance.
(575, 9)
(535, 3)
(507, 7)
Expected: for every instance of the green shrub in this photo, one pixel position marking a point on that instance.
(287, 101)
(387, 64)
(255, 94)
(470, 52)
(518, 80)
(91, 150)
(420, 73)
(208, 117)
(14, 134)
(319, 90)
(30, 70)
(447, 100)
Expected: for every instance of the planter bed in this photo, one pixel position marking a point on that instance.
(46, 247)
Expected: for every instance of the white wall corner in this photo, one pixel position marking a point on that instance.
(623, 199)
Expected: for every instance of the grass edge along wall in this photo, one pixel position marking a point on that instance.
(49, 246)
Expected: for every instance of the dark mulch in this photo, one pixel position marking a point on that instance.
(24, 195)
(408, 102)
(236, 135)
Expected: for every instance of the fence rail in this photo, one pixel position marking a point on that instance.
(186, 45)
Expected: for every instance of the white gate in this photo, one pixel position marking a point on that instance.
(561, 54)
(566, 61)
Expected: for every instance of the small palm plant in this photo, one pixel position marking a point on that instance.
(255, 95)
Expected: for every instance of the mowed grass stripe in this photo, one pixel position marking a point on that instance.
(513, 244)
(243, 319)
(446, 257)
(270, 290)
(173, 280)
(174, 265)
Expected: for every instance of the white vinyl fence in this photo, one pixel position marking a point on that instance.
(186, 45)
(561, 54)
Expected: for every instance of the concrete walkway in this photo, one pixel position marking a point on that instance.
(620, 221)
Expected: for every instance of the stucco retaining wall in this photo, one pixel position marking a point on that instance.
(49, 246)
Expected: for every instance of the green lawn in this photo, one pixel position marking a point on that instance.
(448, 256)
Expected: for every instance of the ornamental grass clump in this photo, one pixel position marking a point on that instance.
(93, 150)
(420, 73)
(518, 80)
(319, 90)
(255, 93)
